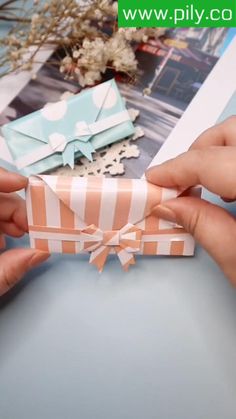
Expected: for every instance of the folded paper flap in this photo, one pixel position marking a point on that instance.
(109, 204)
(33, 130)
(62, 117)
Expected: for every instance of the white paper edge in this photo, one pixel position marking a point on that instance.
(205, 108)
(10, 87)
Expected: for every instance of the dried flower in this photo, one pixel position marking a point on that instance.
(86, 30)
(147, 91)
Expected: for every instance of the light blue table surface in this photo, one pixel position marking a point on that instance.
(156, 343)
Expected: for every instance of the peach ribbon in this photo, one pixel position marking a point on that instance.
(124, 242)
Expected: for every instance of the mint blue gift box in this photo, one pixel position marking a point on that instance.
(64, 131)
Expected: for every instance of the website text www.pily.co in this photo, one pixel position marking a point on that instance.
(187, 16)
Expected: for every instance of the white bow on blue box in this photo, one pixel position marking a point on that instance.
(61, 132)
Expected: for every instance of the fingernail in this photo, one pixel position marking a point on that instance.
(166, 213)
(22, 181)
(21, 177)
(16, 175)
(150, 170)
(37, 259)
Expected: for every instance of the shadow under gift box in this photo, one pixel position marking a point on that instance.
(64, 131)
(102, 216)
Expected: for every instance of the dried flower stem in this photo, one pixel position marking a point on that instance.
(86, 31)
(14, 19)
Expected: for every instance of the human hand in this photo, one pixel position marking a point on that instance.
(13, 222)
(210, 162)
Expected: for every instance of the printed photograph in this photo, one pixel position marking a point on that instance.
(171, 70)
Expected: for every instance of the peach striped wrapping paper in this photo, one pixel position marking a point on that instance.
(101, 216)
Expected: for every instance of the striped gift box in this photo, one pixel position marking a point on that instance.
(102, 216)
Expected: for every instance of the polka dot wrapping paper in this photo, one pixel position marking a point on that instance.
(64, 131)
(102, 216)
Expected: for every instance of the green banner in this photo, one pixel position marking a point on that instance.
(177, 13)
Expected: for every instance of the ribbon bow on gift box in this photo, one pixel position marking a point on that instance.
(62, 131)
(79, 141)
(102, 216)
(124, 242)
(68, 145)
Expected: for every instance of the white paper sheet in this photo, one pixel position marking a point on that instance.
(205, 109)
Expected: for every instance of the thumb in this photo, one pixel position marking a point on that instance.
(15, 263)
(212, 226)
